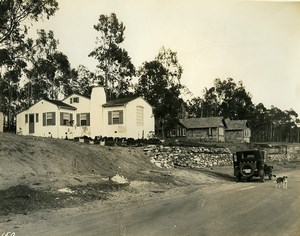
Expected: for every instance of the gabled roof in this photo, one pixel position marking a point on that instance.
(61, 104)
(119, 102)
(237, 124)
(205, 122)
(76, 94)
(58, 103)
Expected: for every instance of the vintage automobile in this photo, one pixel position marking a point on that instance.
(251, 163)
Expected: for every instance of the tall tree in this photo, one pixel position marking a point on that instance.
(115, 67)
(13, 31)
(169, 60)
(50, 71)
(228, 99)
(195, 107)
(259, 123)
(210, 103)
(159, 83)
(81, 81)
(13, 13)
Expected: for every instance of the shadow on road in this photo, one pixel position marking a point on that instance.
(217, 173)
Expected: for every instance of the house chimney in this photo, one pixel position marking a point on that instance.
(98, 98)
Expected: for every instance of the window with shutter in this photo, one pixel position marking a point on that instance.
(48, 118)
(115, 117)
(83, 119)
(65, 118)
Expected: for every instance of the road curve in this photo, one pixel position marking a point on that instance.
(248, 208)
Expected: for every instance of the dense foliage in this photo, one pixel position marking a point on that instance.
(159, 83)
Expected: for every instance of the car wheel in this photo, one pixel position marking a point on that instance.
(247, 169)
(262, 175)
(238, 178)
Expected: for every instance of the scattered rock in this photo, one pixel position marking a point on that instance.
(119, 179)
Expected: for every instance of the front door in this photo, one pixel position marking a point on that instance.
(31, 123)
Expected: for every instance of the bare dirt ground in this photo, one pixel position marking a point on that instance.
(43, 179)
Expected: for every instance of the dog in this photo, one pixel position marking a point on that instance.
(282, 181)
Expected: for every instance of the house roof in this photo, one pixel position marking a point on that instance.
(119, 102)
(76, 94)
(204, 122)
(61, 104)
(237, 124)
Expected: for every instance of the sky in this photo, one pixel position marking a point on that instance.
(256, 42)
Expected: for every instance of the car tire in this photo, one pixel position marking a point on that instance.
(247, 165)
(238, 178)
(262, 175)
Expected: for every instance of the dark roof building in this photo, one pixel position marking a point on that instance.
(237, 131)
(236, 124)
(204, 122)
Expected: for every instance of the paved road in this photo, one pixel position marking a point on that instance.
(231, 209)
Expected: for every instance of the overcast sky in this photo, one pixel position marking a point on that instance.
(255, 42)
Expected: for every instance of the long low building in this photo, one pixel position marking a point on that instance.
(213, 129)
(78, 116)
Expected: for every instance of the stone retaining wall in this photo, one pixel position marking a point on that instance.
(286, 153)
(167, 157)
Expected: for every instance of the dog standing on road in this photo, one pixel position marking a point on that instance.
(282, 181)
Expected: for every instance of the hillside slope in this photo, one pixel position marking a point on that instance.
(23, 157)
(45, 173)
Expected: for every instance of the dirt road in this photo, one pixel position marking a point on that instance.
(248, 208)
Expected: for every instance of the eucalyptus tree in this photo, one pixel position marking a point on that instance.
(283, 125)
(115, 69)
(15, 13)
(81, 81)
(15, 17)
(260, 123)
(49, 72)
(195, 107)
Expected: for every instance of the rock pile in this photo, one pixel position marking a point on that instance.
(167, 157)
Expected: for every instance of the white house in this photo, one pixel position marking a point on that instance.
(78, 116)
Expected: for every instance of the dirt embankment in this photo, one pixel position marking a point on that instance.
(26, 157)
(45, 173)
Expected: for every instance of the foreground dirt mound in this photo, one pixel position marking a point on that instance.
(22, 199)
(24, 157)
